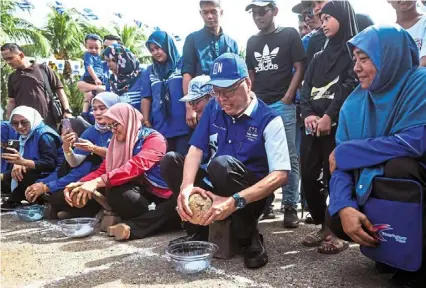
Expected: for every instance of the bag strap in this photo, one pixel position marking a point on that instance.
(47, 87)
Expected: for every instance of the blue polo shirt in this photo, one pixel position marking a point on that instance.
(257, 138)
(202, 47)
(175, 125)
(106, 73)
(96, 62)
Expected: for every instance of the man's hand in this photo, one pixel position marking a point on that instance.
(353, 223)
(221, 208)
(18, 172)
(34, 191)
(332, 162)
(13, 157)
(324, 126)
(311, 123)
(98, 82)
(288, 98)
(183, 209)
(191, 117)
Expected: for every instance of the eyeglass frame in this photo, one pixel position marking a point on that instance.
(263, 13)
(24, 123)
(231, 90)
(196, 101)
(112, 126)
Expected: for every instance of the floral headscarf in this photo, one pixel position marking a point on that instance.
(127, 68)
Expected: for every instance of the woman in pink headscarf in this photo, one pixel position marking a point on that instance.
(130, 176)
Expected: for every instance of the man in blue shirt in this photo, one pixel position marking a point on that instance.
(250, 163)
(202, 47)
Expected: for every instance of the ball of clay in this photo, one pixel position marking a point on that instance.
(198, 205)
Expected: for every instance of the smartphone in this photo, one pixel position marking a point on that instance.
(308, 131)
(66, 125)
(13, 144)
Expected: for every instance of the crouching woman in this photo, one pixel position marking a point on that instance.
(130, 178)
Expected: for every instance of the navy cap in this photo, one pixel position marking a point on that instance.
(227, 70)
(260, 3)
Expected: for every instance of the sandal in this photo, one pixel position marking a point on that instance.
(121, 232)
(332, 245)
(314, 239)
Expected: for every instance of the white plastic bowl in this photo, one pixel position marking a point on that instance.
(192, 257)
(78, 227)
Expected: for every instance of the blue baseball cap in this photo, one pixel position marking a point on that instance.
(260, 3)
(227, 69)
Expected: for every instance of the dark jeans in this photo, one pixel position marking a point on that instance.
(19, 193)
(398, 168)
(314, 153)
(228, 176)
(130, 201)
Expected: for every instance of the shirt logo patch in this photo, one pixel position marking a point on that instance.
(419, 43)
(265, 60)
(217, 68)
(252, 134)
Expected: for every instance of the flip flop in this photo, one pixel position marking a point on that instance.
(332, 245)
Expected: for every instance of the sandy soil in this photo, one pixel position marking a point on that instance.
(38, 255)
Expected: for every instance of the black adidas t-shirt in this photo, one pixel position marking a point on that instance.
(271, 57)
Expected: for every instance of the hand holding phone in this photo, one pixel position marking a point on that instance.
(14, 144)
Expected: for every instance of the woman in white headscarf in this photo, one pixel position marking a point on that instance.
(39, 153)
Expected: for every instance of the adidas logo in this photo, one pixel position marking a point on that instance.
(265, 59)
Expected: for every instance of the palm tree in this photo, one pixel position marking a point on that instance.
(16, 29)
(134, 38)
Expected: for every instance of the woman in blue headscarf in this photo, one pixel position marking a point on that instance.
(39, 153)
(161, 91)
(382, 127)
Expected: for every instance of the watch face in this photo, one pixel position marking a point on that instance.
(241, 203)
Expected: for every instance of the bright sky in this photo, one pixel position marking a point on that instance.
(182, 17)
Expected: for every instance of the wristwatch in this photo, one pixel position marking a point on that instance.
(68, 111)
(240, 202)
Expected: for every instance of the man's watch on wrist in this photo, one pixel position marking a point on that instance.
(240, 202)
(68, 111)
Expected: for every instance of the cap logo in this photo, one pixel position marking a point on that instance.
(217, 68)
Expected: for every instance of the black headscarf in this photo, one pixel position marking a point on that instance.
(78, 126)
(335, 58)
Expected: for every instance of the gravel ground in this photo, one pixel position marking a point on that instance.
(38, 255)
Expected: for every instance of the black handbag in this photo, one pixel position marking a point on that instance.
(55, 105)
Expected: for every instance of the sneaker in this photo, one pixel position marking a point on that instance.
(269, 214)
(290, 218)
(255, 255)
(309, 219)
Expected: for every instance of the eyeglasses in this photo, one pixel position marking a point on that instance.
(260, 12)
(308, 13)
(195, 102)
(22, 122)
(112, 126)
(228, 93)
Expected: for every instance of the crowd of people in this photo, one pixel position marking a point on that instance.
(338, 106)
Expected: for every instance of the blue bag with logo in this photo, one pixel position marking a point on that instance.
(395, 208)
